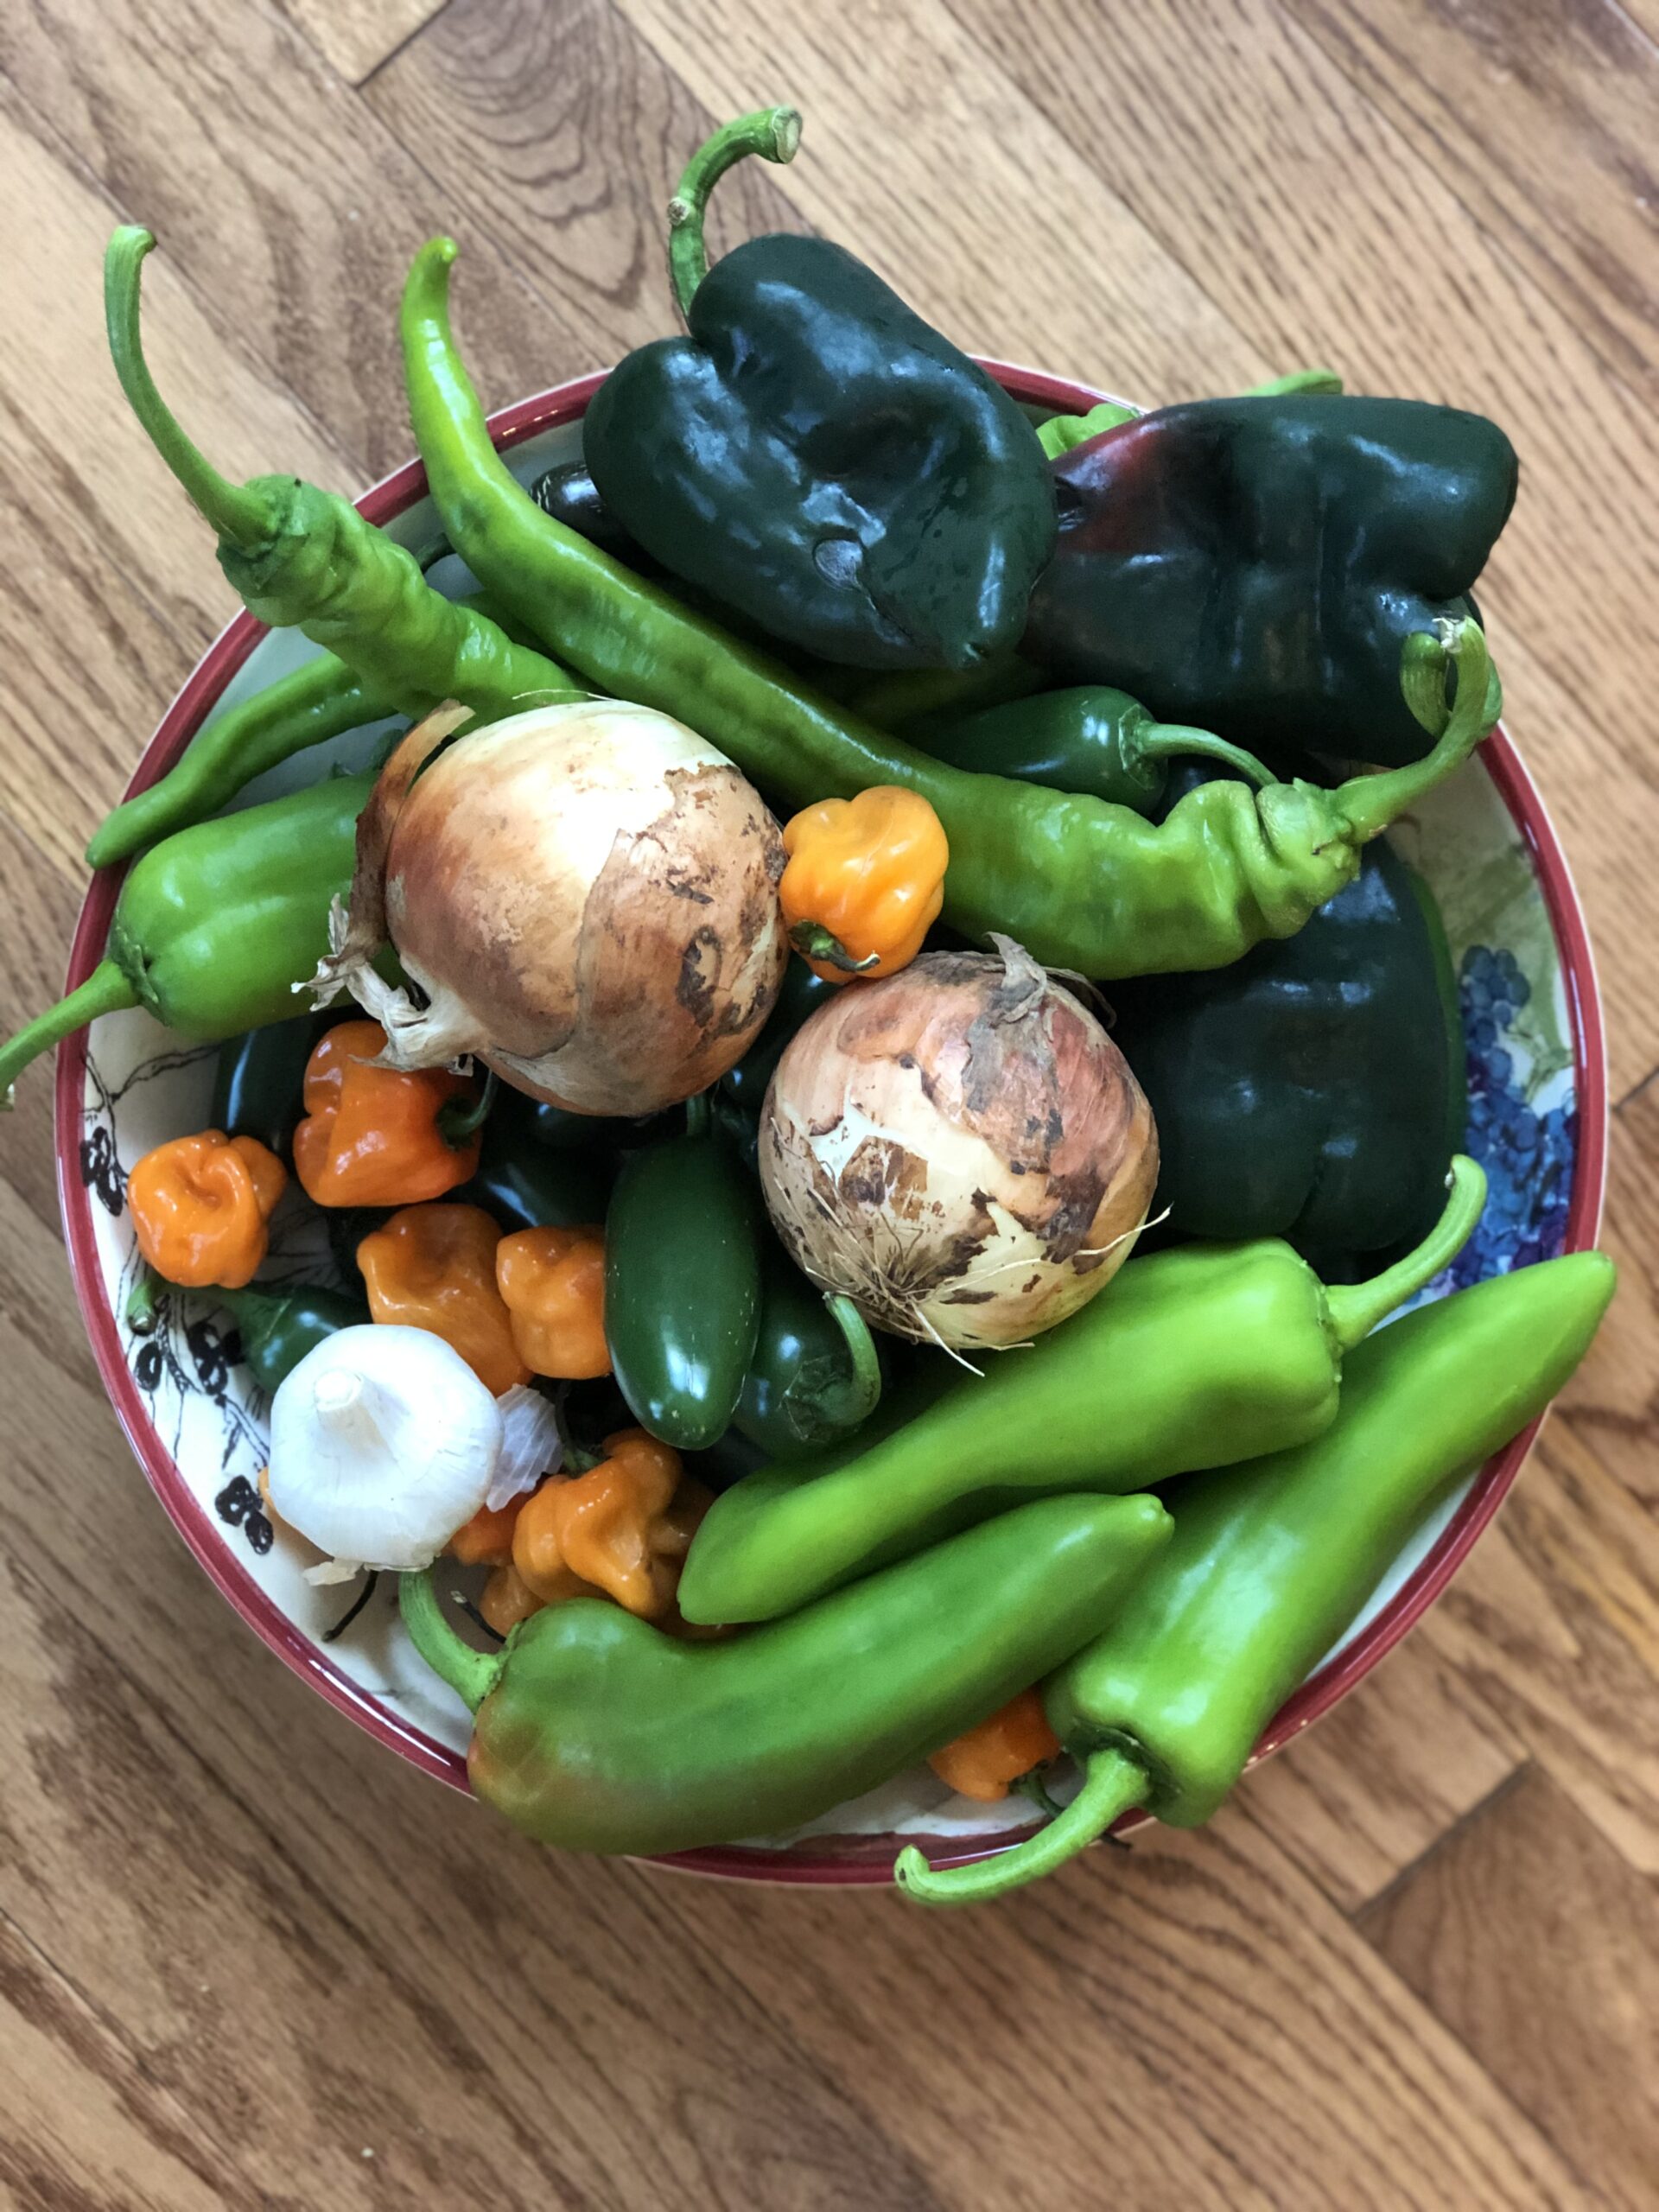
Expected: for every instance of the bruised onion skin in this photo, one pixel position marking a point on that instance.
(586, 895)
(960, 1148)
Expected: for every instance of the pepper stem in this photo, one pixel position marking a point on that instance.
(774, 133)
(237, 512)
(472, 1675)
(1365, 806)
(1061, 432)
(857, 1398)
(142, 1314)
(1112, 1783)
(1323, 382)
(813, 942)
(1353, 1310)
(1172, 741)
(106, 990)
(460, 1120)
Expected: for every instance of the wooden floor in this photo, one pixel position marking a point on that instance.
(245, 1960)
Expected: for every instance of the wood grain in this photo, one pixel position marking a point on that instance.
(240, 1948)
(1566, 2014)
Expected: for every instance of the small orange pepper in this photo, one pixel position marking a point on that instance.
(433, 1267)
(984, 1762)
(487, 1539)
(553, 1282)
(201, 1208)
(865, 882)
(370, 1136)
(623, 1528)
(506, 1599)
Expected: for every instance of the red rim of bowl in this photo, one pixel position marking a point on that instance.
(564, 404)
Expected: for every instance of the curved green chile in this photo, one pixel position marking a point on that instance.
(216, 924)
(596, 1732)
(1195, 1358)
(1313, 1090)
(801, 993)
(303, 558)
(1090, 738)
(814, 1377)
(1080, 884)
(816, 455)
(1269, 1563)
(528, 1184)
(683, 1283)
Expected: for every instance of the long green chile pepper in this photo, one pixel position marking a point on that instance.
(216, 924)
(596, 1732)
(1269, 1563)
(303, 558)
(1194, 1358)
(1080, 883)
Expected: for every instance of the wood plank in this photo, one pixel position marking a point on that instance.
(85, 2127)
(1612, 1403)
(1563, 2009)
(563, 134)
(355, 37)
(1540, 116)
(1363, 1795)
(1318, 232)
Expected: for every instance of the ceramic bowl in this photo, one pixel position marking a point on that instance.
(1538, 1121)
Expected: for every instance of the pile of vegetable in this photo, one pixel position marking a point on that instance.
(858, 860)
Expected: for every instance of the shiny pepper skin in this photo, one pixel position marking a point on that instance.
(201, 1208)
(865, 882)
(507, 1599)
(370, 1136)
(433, 1267)
(487, 1539)
(553, 1282)
(623, 1528)
(984, 1763)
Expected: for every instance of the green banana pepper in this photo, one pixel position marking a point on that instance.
(1313, 1090)
(217, 923)
(277, 1327)
(683, 1283)
(596, 1732)
(1194, 1358)
(1270, 1563)
(814, 1378)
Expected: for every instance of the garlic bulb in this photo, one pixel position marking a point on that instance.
(383, 1443)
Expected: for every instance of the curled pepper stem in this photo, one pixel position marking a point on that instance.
(1365, 806)
(460, 1120)
(1353, 1310)
(1174, 741)
(106, 990)
(237, 512)
(813, 942)
(1112, 1783)
(774, 133)
(858, 1397)
(472, 1675)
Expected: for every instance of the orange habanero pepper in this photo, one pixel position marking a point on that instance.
(624, 1527)
(506, 1599)
(371, 1136)
(487, 1539)
(865, 882)
(553, 1282)
(984, 1762)
(433, 1267)
(201, 1208)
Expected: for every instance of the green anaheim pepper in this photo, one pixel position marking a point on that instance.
(596, 1732)
(1269, 1563)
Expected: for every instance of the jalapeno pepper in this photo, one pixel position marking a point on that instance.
(259, 1080)
(215, 926)
(1269, 1563)
(814, 1377)
(802, 991)
(527, 1182)
(276, 1327)
(596, 1732)
(1079, 883)
(683, 1283)
(1194, 1358)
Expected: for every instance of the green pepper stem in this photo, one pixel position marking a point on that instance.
(774, 133)
(1365, 806)
(1061, 432)
(1172, 740)
(460, 1120)
(106, 990)
(700, 1113)
(141, 1316)
(813, 942)
(235, 512)
(857, 1398)
(1323, 382)
(1112, 1783)
(1353, 1310)
(472, 1675)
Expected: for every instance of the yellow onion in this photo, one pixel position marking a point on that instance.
(961, 1150)
(585, 896)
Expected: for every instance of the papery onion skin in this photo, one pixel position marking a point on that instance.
(586, 895)
(960, 1148)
